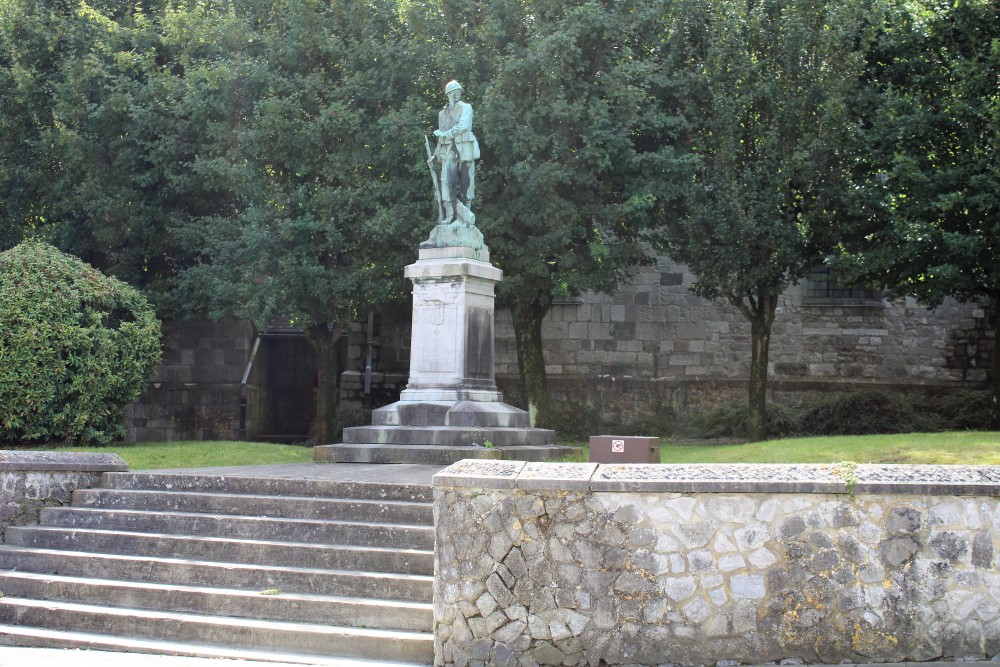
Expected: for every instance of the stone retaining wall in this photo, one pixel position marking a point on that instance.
(31, 480)
(578, 564)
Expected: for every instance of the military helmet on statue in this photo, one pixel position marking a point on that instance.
(452, 85)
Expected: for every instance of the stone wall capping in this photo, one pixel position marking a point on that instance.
(835, 478)
(486, 474)
(15, 459)
(573, 476)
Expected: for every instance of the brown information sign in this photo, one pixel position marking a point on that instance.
(624, 449)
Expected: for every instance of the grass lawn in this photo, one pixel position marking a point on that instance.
(958, 447)
(196, 454)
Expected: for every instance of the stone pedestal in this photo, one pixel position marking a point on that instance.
(451, 344)
(451, 408)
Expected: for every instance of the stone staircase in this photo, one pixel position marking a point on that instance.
(298, 571)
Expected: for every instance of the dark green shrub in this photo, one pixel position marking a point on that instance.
(730, 421)
(75, 348)
(869, 411)
(576, 421)
(966, 410)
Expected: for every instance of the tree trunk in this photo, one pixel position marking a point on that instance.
(760, 312)
(527, 318)
(323, 339)
(760, 334)
(995, 407)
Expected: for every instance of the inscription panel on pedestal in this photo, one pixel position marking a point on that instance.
(435, 323)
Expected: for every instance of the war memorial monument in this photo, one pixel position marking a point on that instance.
(451, 408)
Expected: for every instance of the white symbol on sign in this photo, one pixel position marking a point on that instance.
(618, 445)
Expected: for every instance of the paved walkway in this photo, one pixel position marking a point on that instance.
(380, 473)
(54, 657)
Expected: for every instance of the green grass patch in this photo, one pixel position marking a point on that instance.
(201, 454)
(955, 447)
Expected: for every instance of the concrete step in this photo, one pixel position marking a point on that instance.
(478, 414)
(240, 633)
(434, 454)
(100, 645)
(243, 527)
(246, 577)
(421, 454)
(307, 571)
(226, 549)
(266, 486)
(291, 607)
(291, 507)
(451, 436)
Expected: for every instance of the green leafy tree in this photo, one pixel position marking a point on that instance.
(768, 87)
(99, 129)
(576, 151)
(75, 348)
(931, 149)
(319, 159)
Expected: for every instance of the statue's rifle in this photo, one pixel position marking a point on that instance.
(434, 178)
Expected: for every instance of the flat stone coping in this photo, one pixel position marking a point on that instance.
(946, 480)
(17, 459)
(363, 473)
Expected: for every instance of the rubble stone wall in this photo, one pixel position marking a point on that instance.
(580, 564)
(30, 481)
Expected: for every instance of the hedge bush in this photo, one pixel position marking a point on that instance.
(868, 412)
(967, 410)
(730, 421)
(857, 412)
(76, 347)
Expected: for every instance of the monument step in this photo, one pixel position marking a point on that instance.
(226, 549)
(292, 607)
(448, 436)
(434, 454)
(273, 506)
(241, 633)
(250, 577)
(418, 454)
(14, 635)
(267, 486)
(469, 414)
(243, 527)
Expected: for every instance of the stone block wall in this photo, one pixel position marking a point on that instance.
(645, 357)
(678, 350)
(194, 393)
(580, 564)
(654, 351)
(30, 481)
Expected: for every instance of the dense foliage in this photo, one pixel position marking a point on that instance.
(768, 88)
(579, 146)
(932, 156)
(75, 348)
(323, 212)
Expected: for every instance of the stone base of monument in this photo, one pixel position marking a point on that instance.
(442, 432)
(434, 454)
(451, 408)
